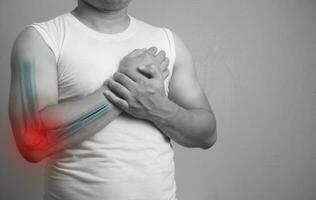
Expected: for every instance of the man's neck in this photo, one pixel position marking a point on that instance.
(102, 20)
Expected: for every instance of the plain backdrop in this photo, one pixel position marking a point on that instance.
(256, 60)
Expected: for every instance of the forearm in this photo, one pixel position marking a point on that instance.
(75, 137)
(61, 115)
(188, 127)
(76, 120)
(66, 124)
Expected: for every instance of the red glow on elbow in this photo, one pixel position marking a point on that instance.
(37, 140)
(33, 143)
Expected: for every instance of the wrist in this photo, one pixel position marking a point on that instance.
(101, 91)
(165, 111)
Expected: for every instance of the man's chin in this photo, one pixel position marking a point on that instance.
(106, 7)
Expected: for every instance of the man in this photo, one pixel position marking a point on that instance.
(101, 94)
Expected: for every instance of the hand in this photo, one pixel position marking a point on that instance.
(143, 57)
(143, 97)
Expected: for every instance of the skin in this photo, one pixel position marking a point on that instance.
(31, 115)
(37, 133)
(110, 17)
(184, 116)
(172, 116)
(107, 5)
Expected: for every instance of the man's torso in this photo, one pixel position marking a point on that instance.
(129, 158)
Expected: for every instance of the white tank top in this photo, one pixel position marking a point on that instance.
(129, 159)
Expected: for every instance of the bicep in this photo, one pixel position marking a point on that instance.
(33, 75)
(184, 87)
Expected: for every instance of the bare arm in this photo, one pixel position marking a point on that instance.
(41, 125)
(186, 116)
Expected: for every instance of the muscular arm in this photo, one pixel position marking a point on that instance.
(186, 116)
(41, 125)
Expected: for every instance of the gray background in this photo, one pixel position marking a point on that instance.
(257, 63)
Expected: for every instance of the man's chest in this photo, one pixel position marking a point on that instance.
(85, 65)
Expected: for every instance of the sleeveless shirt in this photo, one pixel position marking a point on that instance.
(129, 159)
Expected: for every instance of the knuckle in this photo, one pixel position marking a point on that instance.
(123, 66)
(118, 76)
(110, 83)
(115, 75)
(162, 53)
(164, 65)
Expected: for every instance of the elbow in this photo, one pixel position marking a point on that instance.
(209, 141)
(205, 141)
(202, 143)
(207, 144)
(32, 157)
(211, 136)
(32, 153)
(30, 142)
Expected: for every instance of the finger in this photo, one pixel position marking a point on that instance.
(121, 103)
(146, 71)
(152, 51)
(137, 52)
(133, 75)
(124, 80)
(151, 70)
(164, 65)
(165, 74)
(118, 89)
(161, 55)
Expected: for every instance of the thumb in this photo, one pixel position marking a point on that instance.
(150, 70)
